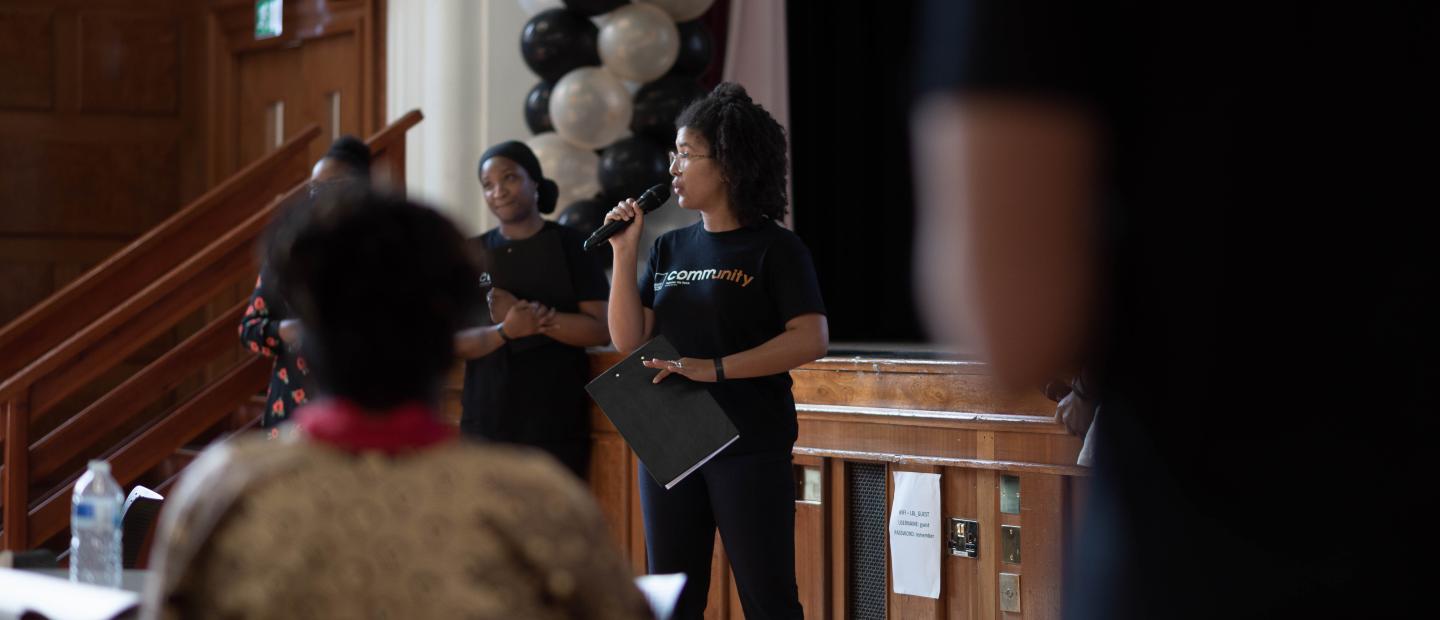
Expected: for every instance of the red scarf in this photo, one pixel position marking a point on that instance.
(345, 425)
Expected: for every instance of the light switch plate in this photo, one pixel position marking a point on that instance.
(1010, 593)
(1010, 544)
(1010, 494)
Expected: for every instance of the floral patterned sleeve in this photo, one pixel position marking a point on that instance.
(260, 326)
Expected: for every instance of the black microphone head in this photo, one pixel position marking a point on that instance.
(654, 197)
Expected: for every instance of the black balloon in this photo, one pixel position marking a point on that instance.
(537, 108)
(586, 216)
(556, 41)
(632, 165)
(659, 102)
(697, 49)
(591, 8)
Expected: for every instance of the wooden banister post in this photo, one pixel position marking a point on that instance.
(17, 474)
(397, 164)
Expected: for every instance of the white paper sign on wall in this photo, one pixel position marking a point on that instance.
(915, 534)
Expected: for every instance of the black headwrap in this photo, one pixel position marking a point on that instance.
(521, 154)
(351, 152)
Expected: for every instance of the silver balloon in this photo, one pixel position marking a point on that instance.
(590, 108)
(682, 10)
(575, 170)
(534, 7)
(639, 42)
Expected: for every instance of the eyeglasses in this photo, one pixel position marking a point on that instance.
(684, 159)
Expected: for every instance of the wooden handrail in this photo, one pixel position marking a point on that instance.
(72, 336)
(47, 324)
(142, 453)
(93, 350)
(388, 150)
(128, 399)
(394, 133)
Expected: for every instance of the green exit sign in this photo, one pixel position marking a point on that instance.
(268, 18)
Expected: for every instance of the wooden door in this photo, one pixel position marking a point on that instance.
(281, 91)
(325, 68)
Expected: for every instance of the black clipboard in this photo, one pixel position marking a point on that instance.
(674, 426)
(533, 269)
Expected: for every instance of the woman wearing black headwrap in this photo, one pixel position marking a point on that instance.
(526, 366)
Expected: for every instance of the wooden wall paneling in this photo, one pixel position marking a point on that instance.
(912, 387)
(862, 436)
(265, 78)
(376, 81)
(129, 63)
(1053, 448)
(959, 497)
(27, 58)
(987, 512)
(24, 284)
(94, 126)
(67, 57)
(329, 67)
(1042, 546)
(905, 605)
(635, 517)
(610, 484)
(88, 186)
(812, 551)
(836, 496)
(196, 103)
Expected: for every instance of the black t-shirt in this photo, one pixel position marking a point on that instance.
(1267, 344)
(716, 294)
(536, 393)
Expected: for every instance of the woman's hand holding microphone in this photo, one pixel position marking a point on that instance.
(628, 240)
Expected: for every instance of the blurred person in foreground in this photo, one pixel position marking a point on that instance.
(1216, 213)
(376, 508)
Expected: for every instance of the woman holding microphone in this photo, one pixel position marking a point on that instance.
(740, 334)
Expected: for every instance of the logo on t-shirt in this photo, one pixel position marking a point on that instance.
(684, 277)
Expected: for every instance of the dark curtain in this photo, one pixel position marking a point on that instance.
(850, 98)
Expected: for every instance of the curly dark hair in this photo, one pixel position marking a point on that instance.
(354, 256)
(749, 145)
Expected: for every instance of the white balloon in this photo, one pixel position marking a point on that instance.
(682, 10)
(533, 7)
(575, 170)
(590, 108)
(639, 42)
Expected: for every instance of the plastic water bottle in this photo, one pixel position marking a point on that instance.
(95, 528)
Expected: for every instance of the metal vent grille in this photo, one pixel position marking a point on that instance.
(865, 551)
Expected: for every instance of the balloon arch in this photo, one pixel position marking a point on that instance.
(613, 77)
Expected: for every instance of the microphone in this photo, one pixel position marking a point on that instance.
(649, 201)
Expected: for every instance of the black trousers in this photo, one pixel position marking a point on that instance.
(751, 498)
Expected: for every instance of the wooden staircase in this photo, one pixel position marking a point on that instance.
(190, 387)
